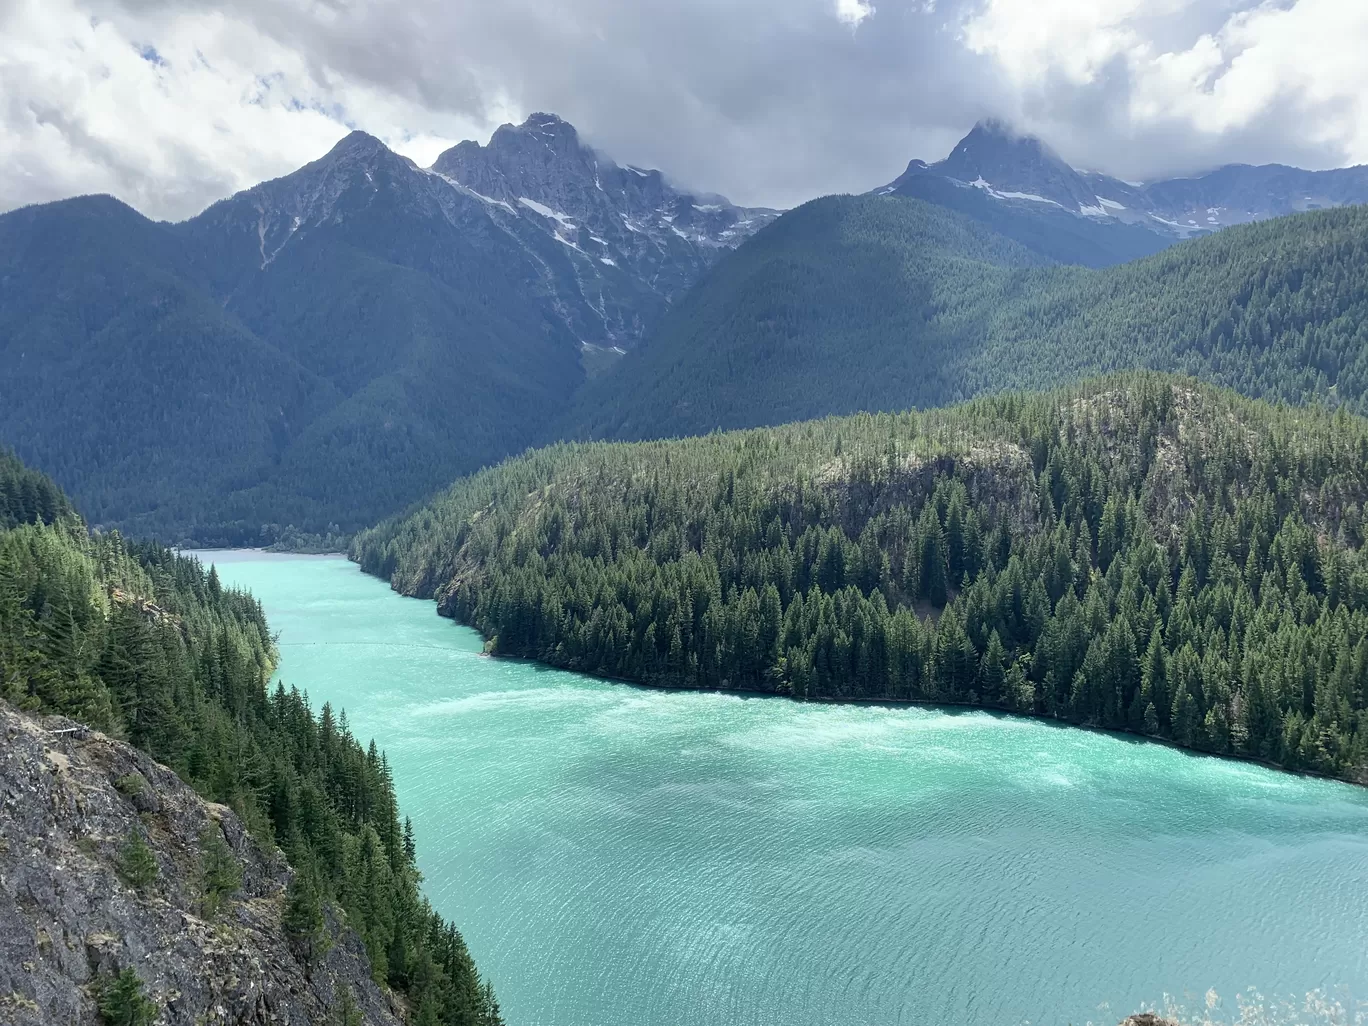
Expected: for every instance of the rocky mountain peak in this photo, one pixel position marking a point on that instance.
(358, 145)
(540, 123)
(994, 142)
(996, 157)
(532, 160)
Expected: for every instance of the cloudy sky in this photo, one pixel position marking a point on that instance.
(171, 104)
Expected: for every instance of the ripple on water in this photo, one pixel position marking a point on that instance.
(621, 857)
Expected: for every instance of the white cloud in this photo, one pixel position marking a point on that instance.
(852, 12)
(172, 111)
(766, 101)
(1190, 66)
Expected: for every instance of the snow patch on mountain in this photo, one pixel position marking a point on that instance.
(1009, 166)
(545, 211)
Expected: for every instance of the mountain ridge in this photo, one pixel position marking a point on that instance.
(1022, 173)
(344, 338)
(885, 303)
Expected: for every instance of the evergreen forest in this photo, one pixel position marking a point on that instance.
(1140, 552)
(376, 360)
(144, 644)
(872, 303)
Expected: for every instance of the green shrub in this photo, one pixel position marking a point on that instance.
(220, 868)
(137, 864)
(122, 1003)
(130, 784)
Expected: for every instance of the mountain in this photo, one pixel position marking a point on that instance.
(182, 389)
(884, 303)
(1022, 188)
(322, 349)
(1139, 552)
(180, 844)
(845, 303)
(633, 240)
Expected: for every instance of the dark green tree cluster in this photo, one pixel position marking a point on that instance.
(880, 303)
(26, 496)
(1140, 553)
(121, 1001)
(148, 645)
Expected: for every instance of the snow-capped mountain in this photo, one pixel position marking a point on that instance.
(1022, 178)
(624, 229)
(607, 247)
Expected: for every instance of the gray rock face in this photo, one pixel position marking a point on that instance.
(603, 248)
(632, 239)
(68, 801)
(1012, 167)
(1022, 172)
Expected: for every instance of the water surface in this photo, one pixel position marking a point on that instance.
(623, 857)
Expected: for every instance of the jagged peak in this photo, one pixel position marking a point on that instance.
(995, 135)
(541, 121)
(538, 124)
(359, 144)
(509, 138)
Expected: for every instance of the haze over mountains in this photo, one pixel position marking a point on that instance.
(328, 347)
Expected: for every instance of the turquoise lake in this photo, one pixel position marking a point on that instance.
(623, 857)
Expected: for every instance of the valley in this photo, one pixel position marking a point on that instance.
(943, 604)
(351, 337)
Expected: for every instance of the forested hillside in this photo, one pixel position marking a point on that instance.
(316, 352)
(143, 644)
(881, 303)
(1140, 552)
(183, 382)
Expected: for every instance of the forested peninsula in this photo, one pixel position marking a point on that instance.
(1140, 552)
(145, 645)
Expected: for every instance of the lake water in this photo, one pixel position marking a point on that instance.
(623, 857)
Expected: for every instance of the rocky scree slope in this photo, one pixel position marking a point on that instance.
(69, 800)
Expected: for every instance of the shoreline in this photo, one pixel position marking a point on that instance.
(241, 554)
(951, 708)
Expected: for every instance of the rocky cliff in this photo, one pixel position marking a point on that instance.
(72, 919)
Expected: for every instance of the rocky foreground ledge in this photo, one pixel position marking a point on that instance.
(72, 919)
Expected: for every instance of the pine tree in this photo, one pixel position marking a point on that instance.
(992, 676)
(137, 864)
(121, 1001)
(345, 1011)
(219, 868)
(302, 917)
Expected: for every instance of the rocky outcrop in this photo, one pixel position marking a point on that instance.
(69, 918)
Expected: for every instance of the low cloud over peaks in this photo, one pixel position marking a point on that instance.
(173, 105)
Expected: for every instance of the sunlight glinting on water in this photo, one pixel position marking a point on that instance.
(622, 857)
